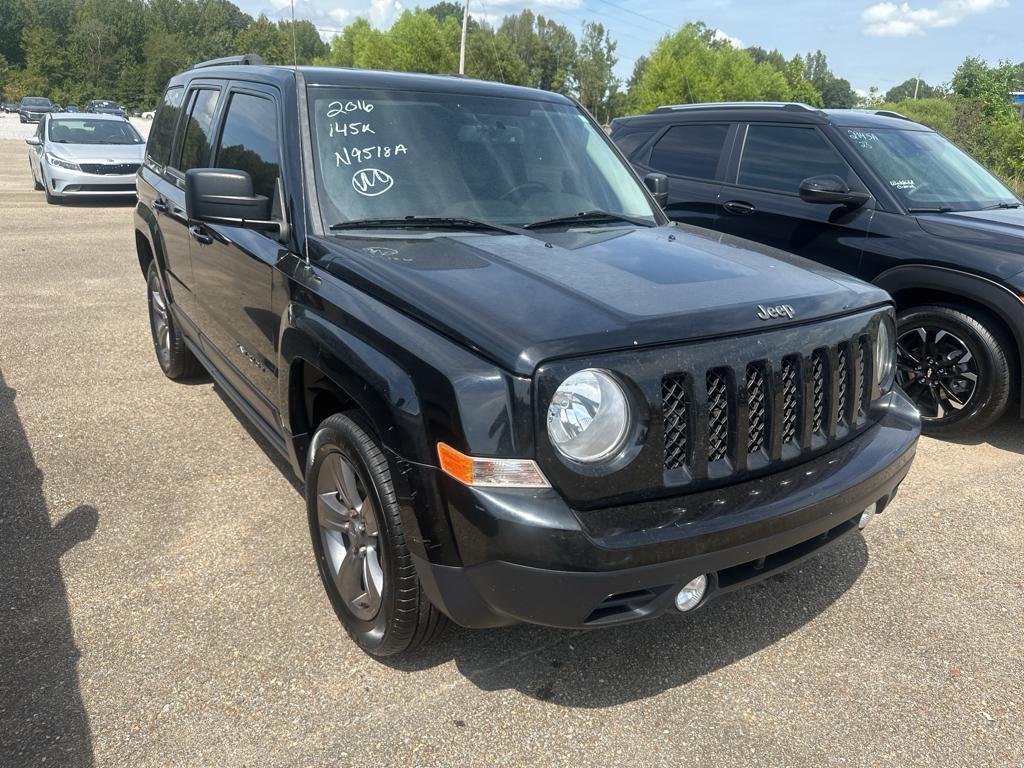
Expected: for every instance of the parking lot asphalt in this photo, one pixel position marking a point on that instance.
(159, 604)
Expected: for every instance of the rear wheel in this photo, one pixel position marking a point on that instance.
(176, 360)
(359, 542)
(955, 367)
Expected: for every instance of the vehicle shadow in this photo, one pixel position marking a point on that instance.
(1006, 434)
(42, 716)
(98, 202)
(608, 667)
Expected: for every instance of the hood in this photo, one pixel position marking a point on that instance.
(521, 300)
(999, 232)
(98, 153)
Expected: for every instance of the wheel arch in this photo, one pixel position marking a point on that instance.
(916, 285)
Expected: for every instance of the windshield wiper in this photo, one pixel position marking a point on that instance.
(994, 206)
(943, 209)
(585, 216)
(426, 222)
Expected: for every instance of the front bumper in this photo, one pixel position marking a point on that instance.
(527, 557)
(65, 183)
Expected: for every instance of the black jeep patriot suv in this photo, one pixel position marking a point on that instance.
(513, 389)
(878, 196)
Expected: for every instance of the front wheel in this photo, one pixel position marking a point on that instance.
(35, 182)
(954, 366)
(359, 543)
(175, 358)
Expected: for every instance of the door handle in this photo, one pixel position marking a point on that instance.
(198, 235)
(738, 207)
(160, 205)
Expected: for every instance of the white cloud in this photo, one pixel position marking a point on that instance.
(383, 12)
(735, 42)
(888, 19)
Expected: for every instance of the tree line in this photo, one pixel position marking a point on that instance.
(76, 50)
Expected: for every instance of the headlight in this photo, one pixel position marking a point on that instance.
(61, 163)
(588, 418)
(885, 355)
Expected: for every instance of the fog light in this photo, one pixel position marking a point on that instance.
(690, 595)
(866, 515)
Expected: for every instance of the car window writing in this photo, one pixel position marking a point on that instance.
(166, 118)
(779, 157)
(249, 141)
(690, 150)
(195, 146)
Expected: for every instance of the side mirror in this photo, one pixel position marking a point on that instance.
(831, 190)
(657, 184)
(224, 196)
(33, 141)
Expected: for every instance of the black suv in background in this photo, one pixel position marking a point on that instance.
(876, 195)
(514, 390)
(105, 107)
(32, 108)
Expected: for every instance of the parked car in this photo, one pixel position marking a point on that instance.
(9, 106)
(32, 108)
(514, 390)
(72, 108)
(84, 155)
(105, 107)
(878, 196)
(148, 115)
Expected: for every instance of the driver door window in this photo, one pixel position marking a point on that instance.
(778, 157)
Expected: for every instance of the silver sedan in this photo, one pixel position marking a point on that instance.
(85, 155)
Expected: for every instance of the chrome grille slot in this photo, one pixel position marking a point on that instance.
(757, 407)
(842, 384)
(819, 371)
(718, 415)
(790, 400)
(864, 394)
(675, 404)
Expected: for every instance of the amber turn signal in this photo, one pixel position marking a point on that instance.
(490, 473)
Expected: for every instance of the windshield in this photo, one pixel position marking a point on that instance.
(104, 105)
(392, 154)
(87, 131)
(927, 171)
(35, 101)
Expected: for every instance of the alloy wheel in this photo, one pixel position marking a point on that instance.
(937, 370)
(350, 534)
(161, 322)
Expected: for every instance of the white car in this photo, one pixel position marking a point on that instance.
(85, 155)
(148, 115)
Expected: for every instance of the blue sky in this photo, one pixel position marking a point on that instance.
(866, 41)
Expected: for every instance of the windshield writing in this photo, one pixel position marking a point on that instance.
(926, 171)
(393, 154)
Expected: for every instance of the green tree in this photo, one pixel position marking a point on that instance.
(263, 38)
(594, 70)
(836, 92)
(911, 89)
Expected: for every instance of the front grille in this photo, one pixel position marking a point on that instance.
(718, 416)
(773, 409)
(818, 373)
(757, 407)
(675, 401)
(109, 169)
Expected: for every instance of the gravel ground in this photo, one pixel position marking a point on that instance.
(159, 604)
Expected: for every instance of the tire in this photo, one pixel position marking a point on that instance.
(384, 617)
(35, 182)
(176, 360)
(51, 198)
(946, 357)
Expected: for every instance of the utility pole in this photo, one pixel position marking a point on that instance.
(462, 45)
(917, 84)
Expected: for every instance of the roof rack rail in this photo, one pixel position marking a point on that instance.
(245, 58)
(890, 113)
(739, 105)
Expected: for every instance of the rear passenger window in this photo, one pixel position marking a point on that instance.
(690, 150)
(779, 157)
(159, 147)
(196, 144)
(631, 142)
(249, 141)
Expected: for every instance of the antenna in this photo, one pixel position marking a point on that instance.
(462, 44)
